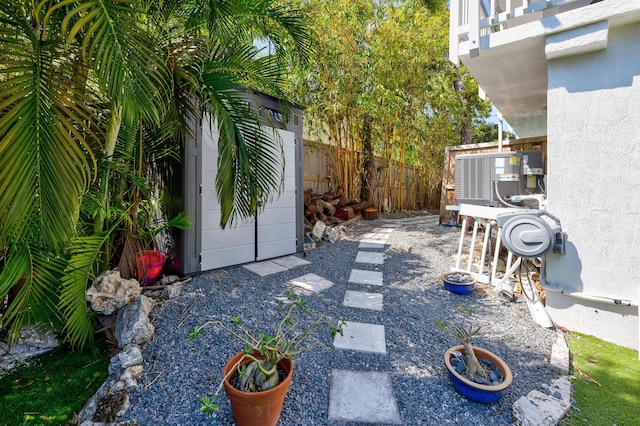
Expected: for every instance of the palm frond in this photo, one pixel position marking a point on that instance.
(46, 160)
(250, 168)
(35, 289)
(113, 37)
(78, 273)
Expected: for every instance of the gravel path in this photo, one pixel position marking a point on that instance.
(177, 371)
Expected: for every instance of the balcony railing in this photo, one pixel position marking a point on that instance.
(471, 20)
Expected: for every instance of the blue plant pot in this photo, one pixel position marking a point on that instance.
(459, 287)
(475, 391)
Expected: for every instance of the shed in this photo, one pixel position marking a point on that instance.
(278, 230)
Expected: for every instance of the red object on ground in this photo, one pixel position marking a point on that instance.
(149, 265)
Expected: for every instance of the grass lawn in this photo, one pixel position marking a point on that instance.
(615, 398)
(52, 388)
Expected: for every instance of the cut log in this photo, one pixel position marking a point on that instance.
(327, 208)
(311, 209)
(345, 213)
(308, 226)
(342, 201)
(361, 206)
(308, 193)
(370, 213)
(351, 221)
(328, 196)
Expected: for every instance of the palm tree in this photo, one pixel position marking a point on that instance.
(93, 91)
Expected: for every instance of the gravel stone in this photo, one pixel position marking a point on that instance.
(178, 371)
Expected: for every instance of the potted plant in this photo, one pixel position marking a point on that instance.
(476, 373)
(459, 282)
(143, 249)
(257, 378)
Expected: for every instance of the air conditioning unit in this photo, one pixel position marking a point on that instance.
(483, 179)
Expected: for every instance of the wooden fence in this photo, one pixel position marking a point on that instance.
(447, 196)
(405, 189)
(398, 186)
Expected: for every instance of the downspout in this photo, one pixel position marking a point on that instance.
(582, 296)
(592, 298)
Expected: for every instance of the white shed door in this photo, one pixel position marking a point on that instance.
(276, 226)
(277, 223)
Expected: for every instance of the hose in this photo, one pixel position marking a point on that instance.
(495, 182)
(529, 282)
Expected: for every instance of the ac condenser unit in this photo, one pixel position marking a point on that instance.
(483, 179)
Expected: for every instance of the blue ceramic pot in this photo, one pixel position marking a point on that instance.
(459, 282)
(475, 391)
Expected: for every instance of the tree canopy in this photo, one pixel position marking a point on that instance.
(385, 63)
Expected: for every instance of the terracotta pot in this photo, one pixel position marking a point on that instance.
(257, 408)
(476, 391)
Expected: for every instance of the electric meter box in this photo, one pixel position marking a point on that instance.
(532, 170)
(532, 163)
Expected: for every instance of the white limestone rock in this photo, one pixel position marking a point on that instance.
(110, 292)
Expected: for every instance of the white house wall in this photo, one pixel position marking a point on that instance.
(594, 187)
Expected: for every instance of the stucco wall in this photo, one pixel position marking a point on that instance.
(594, 184)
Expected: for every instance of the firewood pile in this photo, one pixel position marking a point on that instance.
(332, 208)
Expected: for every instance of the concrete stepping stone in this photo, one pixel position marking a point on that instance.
(362, 337)
(312, 282)
(375, 237)
(265, 268)
(370, 257)
(391, 225)
(382, 230)
(359, 276)
(363, 300)
(363, 396)
(291, 262)
(413, 220)
(273, 266)
(371, 245)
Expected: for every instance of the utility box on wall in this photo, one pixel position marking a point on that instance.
(277, 231)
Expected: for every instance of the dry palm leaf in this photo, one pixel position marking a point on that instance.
(585, 376)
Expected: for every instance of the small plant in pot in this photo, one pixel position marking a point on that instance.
(257, 378)
(476, 373)
(459, 282)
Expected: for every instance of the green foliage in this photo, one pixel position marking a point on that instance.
(483, 131)
(290, 338)
(52, 387)
(464, 333)
(95, 97)
(615, 399)
(208, 404)
(386, 61)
